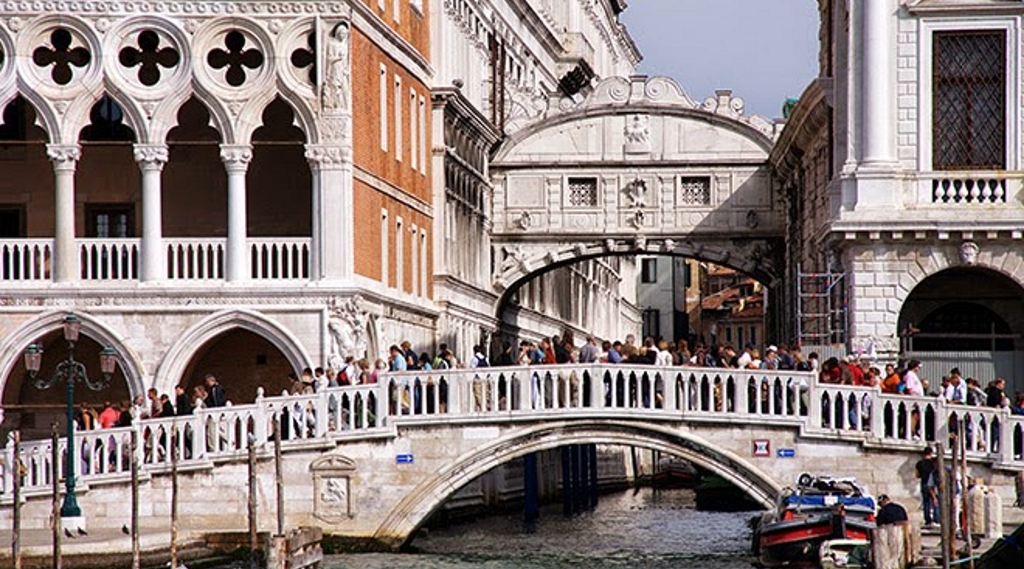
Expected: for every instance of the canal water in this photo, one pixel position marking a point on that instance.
(646, 529)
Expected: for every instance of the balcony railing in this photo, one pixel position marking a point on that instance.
(26, 260)
(188, 259)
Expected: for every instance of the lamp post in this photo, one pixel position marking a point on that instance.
(70, 371)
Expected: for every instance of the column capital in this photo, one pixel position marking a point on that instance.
(327, 157)
(64, 156)
(151, 157)
(236, 157)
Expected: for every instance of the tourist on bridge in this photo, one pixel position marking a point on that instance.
(182, 404)
(995, 393)
(912, 384)
(956, 391)
(215, 393)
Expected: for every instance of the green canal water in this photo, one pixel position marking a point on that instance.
(647, 529)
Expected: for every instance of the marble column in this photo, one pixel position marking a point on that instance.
(151, 159)
(65, 254)
(878, 82)
(333, 213)
(236, 158)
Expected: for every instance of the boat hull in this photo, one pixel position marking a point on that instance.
(796, 543)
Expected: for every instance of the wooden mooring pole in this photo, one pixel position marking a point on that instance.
(16, 522)
(55, 480)
(966, 517)
(278, 478)
(253, 543)
(944, 515)
(136, 555)
(174, 496)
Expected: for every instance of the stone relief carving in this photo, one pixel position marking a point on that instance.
(525, 221)
(347, 326)
(636, 193)
(337, 84)
(638, 134)
(969, 253)
(332, 488)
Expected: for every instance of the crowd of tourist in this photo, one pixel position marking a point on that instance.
(851, 370)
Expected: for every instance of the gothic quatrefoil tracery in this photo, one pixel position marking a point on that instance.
(306, 57)
(61, 56)
(236, 59)
(150, 57)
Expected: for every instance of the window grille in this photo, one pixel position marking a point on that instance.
(968, 100)
(583, 192)
(695, 190)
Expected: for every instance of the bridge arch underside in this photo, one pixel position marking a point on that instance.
(759, 258)
(415, 509)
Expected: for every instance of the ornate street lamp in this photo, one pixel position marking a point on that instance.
(70, 371)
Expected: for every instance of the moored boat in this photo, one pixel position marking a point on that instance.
(675, 474)
(817, 510)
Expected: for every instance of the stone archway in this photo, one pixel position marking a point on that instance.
(969, 317)
(176, 361)
(95, 335)
(428, 496)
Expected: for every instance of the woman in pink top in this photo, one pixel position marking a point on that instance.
(911, 381)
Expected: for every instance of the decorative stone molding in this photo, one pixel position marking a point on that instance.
(151, 156)
(332, 487)
(236, 157)
(323, 157)
(64, 156)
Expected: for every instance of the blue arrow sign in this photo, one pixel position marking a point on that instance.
(403, 459)
(787, 453)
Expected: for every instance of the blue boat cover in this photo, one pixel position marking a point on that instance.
(827, 501)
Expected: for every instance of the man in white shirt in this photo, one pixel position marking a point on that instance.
(956, 391)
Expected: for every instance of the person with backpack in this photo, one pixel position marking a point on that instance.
(479, 359)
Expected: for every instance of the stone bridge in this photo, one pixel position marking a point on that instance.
(372, 462)
(636, 167)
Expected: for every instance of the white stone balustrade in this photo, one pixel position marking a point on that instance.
(109, 259)
(533, 393)
(26, 260)
(187, 259)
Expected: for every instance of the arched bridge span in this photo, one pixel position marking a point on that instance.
(428, 496)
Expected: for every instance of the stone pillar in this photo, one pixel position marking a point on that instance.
(151, 159)
(236, 158)
(875, 183)
(65, 254)
(332, 250)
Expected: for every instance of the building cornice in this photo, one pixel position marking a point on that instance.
(452, 100)
(380, 33)
(805, 124)
(387, 189)
(533, 21)
(962, 8)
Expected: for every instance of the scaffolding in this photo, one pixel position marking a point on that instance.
(821, 317)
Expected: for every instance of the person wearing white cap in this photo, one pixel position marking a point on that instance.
(771, 358)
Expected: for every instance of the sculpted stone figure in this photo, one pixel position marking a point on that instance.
(347, 326)
(337, 85)
(969, 252)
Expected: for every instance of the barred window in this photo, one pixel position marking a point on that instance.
(583, 192)
(969, 100)
(695, 190)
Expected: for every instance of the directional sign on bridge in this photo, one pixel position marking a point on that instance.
(403, 459)
(787, 452)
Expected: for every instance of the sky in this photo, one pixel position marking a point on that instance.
(764, 50)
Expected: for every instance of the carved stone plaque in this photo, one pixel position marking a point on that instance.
(332, 488)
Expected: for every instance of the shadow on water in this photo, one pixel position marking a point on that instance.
(628, 530)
